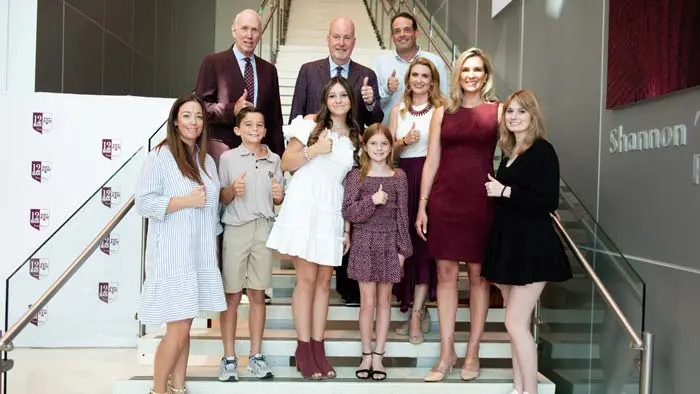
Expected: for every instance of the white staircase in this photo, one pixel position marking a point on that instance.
(406, 364)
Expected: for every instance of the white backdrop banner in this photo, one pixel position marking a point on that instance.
(63, 148)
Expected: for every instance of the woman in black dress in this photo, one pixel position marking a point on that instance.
(524, 252)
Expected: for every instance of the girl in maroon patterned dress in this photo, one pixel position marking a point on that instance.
(376, 203)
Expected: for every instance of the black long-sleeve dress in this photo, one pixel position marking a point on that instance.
(523, 246)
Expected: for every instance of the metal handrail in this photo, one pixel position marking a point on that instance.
(643, 343)
(6, 340)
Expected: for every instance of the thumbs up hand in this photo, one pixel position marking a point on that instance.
(413, 135)
(324, 144)
(239, 185)
(494, 188)
(392, 84)
(367, 92)
(380, 196)
(277, 192)
(242, 103)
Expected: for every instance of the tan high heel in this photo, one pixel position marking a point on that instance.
(173, 390)
(466, 374)
(437, 375)
(417, 339)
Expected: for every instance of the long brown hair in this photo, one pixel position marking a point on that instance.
(434, 95)
(365, 161)
(324, 121)
(456, 91)
(185, 161)
(506, 140)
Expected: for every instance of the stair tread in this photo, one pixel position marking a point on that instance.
(348, 374)
(331, 335)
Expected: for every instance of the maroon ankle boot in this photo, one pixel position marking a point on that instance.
(319, 351)
(305, 361)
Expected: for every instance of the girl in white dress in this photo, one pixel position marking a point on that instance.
(310, 228)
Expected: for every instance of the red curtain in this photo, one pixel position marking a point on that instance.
(653, 49)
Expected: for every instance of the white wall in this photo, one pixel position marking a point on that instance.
(17, 45)
(70, 149)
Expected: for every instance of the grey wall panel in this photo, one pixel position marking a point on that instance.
(162, 48)
(82, 67)
(119, 19)
(49, 46)
(144, 27)
(143, 78)
(116, 78)
(562, 64)
(192, 39)
(500, 38)
(672, 315)
(462, 23)
(93, 9)
(648, 200)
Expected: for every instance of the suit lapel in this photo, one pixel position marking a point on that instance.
(324, 71)
(234, 73)
(353, 74)
(261, 79)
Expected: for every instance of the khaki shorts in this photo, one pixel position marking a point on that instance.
(247, 262)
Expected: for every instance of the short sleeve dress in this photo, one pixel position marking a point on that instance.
(310, 222)
(523, 246)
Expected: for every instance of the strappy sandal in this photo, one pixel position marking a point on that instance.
(173, 390)
(377, 374)
(365, 373)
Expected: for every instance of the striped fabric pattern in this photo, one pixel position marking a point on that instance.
(182, 274)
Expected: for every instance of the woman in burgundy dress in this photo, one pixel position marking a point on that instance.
(462, 141)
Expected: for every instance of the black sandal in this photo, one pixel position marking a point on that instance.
(378, 375)
(366, 371)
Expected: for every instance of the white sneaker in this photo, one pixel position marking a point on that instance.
(228, 369)
(258, 367)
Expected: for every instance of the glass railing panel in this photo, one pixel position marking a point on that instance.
(614, 270)
(97, 306)
(266, 44)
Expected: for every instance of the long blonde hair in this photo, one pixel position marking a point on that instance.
(434, 95)
(456, 93)
(365, 161)
(506, 140)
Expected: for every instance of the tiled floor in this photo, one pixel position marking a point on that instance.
(71, 371)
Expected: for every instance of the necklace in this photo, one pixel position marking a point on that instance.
(420, 112)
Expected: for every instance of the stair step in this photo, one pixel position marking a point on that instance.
(280, 344)
(203, 380)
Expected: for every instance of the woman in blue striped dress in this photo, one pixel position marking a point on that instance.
(178, 191)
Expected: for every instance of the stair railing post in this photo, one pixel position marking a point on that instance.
(645, 384)
(430, 33)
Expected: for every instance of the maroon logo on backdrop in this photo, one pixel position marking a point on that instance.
(42, 121)
(38, 268)
(110, 244)
(40, 317)
(38, 218)
(111, 148)
(111, 197)
(107, 291)
(41, 171)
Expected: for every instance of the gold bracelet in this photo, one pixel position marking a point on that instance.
(424, 198)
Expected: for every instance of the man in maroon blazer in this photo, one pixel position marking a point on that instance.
(313, 76)
(234, 79)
